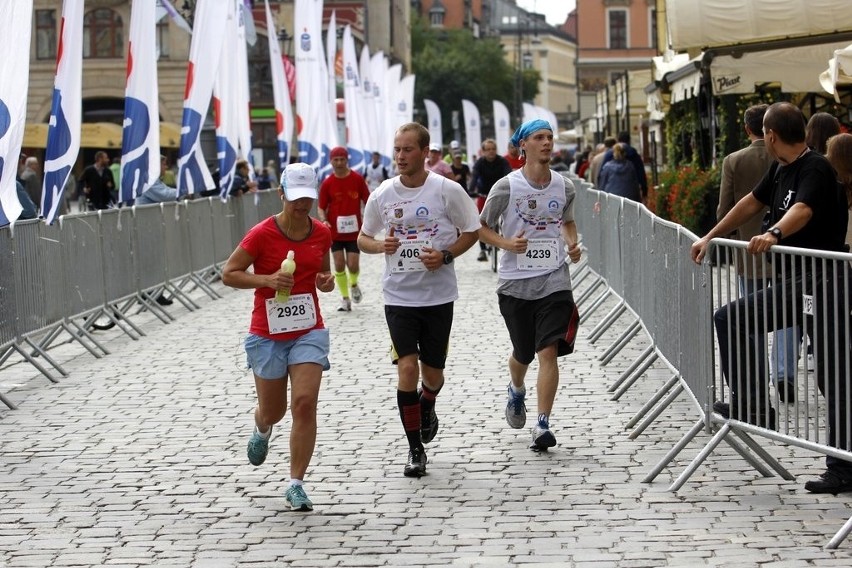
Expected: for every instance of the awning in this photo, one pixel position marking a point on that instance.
(99, 135)
(839, 71)
(687, 85)
(169, 135)
(35, 136)
(703, 24)
(796, 69)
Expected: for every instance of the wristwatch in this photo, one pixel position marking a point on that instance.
(775, 232)
(448, 256)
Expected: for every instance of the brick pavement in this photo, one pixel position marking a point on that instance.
(138, 459)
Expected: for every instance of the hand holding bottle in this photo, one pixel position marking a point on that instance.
(288, 266)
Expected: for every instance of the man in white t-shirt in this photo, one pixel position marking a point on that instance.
(535, 207)
(428, 220)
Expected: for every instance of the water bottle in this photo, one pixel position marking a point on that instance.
(288, 266)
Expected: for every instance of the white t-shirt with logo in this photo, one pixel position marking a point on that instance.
(430, 215)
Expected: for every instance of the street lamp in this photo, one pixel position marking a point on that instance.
(286, 39)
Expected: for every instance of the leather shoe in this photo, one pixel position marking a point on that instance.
(829, 482)
(163, 301)
(756, 418)
(786, 391)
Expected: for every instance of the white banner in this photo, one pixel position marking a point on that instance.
(367, 105)
(15, 29)
(378, 68)
(315, 136)
(473, 131)
(356, 134)
(330, 54)
(393, 75)
(502, 126)
(63, 134)
(167, 7)
(245, 31)
(140, 139)
(281, 95)
(226, 101)
(433, 116)
(404, 102)
(204, 53)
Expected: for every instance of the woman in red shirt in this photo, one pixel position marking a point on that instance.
(287, 338)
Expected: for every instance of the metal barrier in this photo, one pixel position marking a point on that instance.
(673, 300)
(105, 264)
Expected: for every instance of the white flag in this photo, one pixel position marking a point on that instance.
(355, 131)
(63, 135)
(245, 28)
(281, 95)
(433, 116)
(393, 75)
(204, 52)
(167, 8)
(15, 26)
(311, 92)
(472, 129)
(140, 139)
(502, 126)
(226, 101)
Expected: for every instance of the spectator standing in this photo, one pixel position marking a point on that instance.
(97, 182)
(455, 148)
(807, 209)
(167, 174)
(263, 180)
(428, 221)
(486, 171)
(375, 173)
(286, 345)
(341, 196)
(618, 176)
(31, 179)
(115, 168)
(534, 283)
(634, 158)
(434, 163)
(242, 183)
(461, 173)
(157, 192)
(513, 156)
(597, 162)
(839, 155)
(741, 172)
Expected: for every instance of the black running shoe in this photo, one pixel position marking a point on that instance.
(416, 466)
(428, 422)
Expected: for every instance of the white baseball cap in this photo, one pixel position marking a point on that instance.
(299, 180)
(454, 145)
(434, 147)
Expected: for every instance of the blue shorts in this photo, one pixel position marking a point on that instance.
(269, 359)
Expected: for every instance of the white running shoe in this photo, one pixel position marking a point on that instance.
(345, 305)
(356, 294)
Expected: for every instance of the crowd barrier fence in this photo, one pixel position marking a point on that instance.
(59, 280)
(645, 262)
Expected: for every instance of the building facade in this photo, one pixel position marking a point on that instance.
(614, 37)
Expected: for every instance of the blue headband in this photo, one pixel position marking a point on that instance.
(528, 128)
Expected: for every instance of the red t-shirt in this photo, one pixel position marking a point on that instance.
(266, 243)
(342, 197)
(516, 163)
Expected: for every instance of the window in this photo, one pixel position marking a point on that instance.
(103, 34)
(652, 24)
(437, 18)
(163, 37)
(45, 21)
(617, 29)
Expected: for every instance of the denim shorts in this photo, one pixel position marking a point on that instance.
(269, 358)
